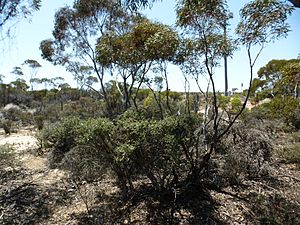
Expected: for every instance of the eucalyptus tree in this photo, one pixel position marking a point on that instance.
(12, 10)
(262, 22)
(35, 81)
(34, 67)
(204, 46)
(75, 33)
(20, 84)
(278, 78)
(57, 81)
(83, 75)
(133, 53)
(202, 49)
(43, 81)
(135, 4)
(17, 71)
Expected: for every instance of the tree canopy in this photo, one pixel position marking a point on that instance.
(11, 10)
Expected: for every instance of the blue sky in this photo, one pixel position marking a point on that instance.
(28, 35)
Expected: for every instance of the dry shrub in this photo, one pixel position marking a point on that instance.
(291, 153)
(248, 151)
(7, 126)
(85, 163)
(8, 157)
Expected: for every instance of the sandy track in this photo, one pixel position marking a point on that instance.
(23, 140)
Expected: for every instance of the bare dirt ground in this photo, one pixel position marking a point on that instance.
(33, 193)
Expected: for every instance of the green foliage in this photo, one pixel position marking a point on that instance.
(72, 133)
(154, 149)
(11, 10)
(39, 121)
(236, 104)
(132, 146)
(230, 104)
(12, 112)
(295, 118)
(263, 22)
(61, 138)
(279, 107)
(91, 156)
(291, 153)
(145, 42)
(7, 126)
(223, 101)
(212, 11)
(277, 77)
(283, 107)
(83, 108)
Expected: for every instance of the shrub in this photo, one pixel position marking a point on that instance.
(295, 118)
(7, 126)
(12, 112)
(92, 155)
(79, 145)
(61, 138)
(7, 156)
(39, 121)
(283, 107)
(291, 153)
(154, 149)
(247, 152)
(83, 108)
(236, 104)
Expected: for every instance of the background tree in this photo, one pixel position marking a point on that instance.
(1, 78)
(262, 22)
(203, 43)
(277, 77)
(134, 52)
(137, 4)
(83, 75)
(17, 71)
(279, 81)
(75, 32)
(34, 67)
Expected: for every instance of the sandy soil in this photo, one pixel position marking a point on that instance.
(23, 140)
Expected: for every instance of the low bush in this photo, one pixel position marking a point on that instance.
(74, 140)
(6, 125)
(8, 157)
(167, 152)
(247, 152)
(39, 121)
(61, 138)
(295, 118)
(157, 149)
(291, 153)
(131, 147)
(92, 153)
(12, 112)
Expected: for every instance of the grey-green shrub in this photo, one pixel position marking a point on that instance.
(8, 157)
(6, 125)
(61, 138)
(155, 148)
(92, 154)
(79, 145)
(130, 147)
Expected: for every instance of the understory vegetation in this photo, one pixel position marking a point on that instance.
(135, 152)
